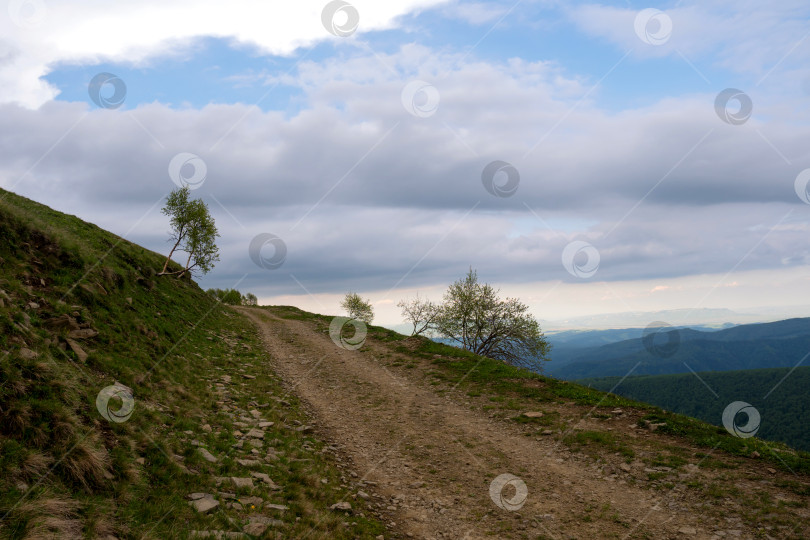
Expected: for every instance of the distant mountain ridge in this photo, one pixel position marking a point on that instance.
(751, 346)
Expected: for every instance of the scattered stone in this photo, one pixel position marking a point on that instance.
(242, 482)
(533, 414)
(197, 496)
(687, 530)
(305, 429)
(754, 454)
(625, 467)
(254, 501)
(129, 300)
(771, 470)
(363, 495)
(248, 376)
(255, 529)
(547, 432)
(207, 456)
(206, 428)
(255, 414)
(33, 305)
(255, 434)
(341, 506)
(140, 461)
(617, 411)
(266, 424)
(76, 348)
(82, 333)
(62, 321)
(204, 504)
(266, 479)
(27, 354)
(279, 507)
(248, 462)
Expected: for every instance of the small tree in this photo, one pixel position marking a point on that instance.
(357, 308)
(250, 300)
(421, 313)
(474, 316)
(193, 231)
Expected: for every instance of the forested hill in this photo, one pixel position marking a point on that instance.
(782, 397)
(750, 346)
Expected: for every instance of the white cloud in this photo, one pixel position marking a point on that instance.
(91, 31)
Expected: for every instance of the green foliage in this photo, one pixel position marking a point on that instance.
(193, 231)
(785, 414)
(357, 307)
(233, 297)
(473, 316)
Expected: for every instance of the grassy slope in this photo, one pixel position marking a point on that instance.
(65, 471)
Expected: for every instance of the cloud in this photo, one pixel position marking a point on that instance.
(38, 35)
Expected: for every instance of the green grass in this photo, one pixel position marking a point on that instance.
(67, 471)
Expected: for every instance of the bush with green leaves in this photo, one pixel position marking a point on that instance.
(357, 307)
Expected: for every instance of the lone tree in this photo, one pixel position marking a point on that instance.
(422, 314)
(193, 231)
(473, 316)
(357, 308)
(250, 299)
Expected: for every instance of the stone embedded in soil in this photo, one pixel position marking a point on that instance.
(204, 504)
(533, 414)
(248, 462)
(266, 424)
(76, 348)
(255, 434)
(83, 333)
(27, 354)
(207, 456)
(280, 507)
(341, 506)
(242, 482)
(266, 479)
(255, 529)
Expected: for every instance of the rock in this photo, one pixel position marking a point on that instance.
(251, 501)
(255, 434)
(266, 479)
(625, 467)
(197, 496)
(687, 530)
(206, 428)
(77, 349)
(754, 454)
(249, 376)
(363, 495)
(32, 305)
(341, 506)
(207, 456)
(83, 333)
(242, 482)
(254, 529)
(279, 507)
(547, 432)
(248, 462)
(266, 424)
(129, 300)
(771, 470)
(255, 414)
(305, 429)
(27, 354)
(533, 414)
(140, 461)
(204, 504)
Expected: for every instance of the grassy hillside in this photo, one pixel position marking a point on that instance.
(80, 310)
(780, 396)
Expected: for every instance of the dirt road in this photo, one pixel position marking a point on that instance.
(428, 461)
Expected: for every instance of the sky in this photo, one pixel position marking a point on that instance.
(587, 158)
